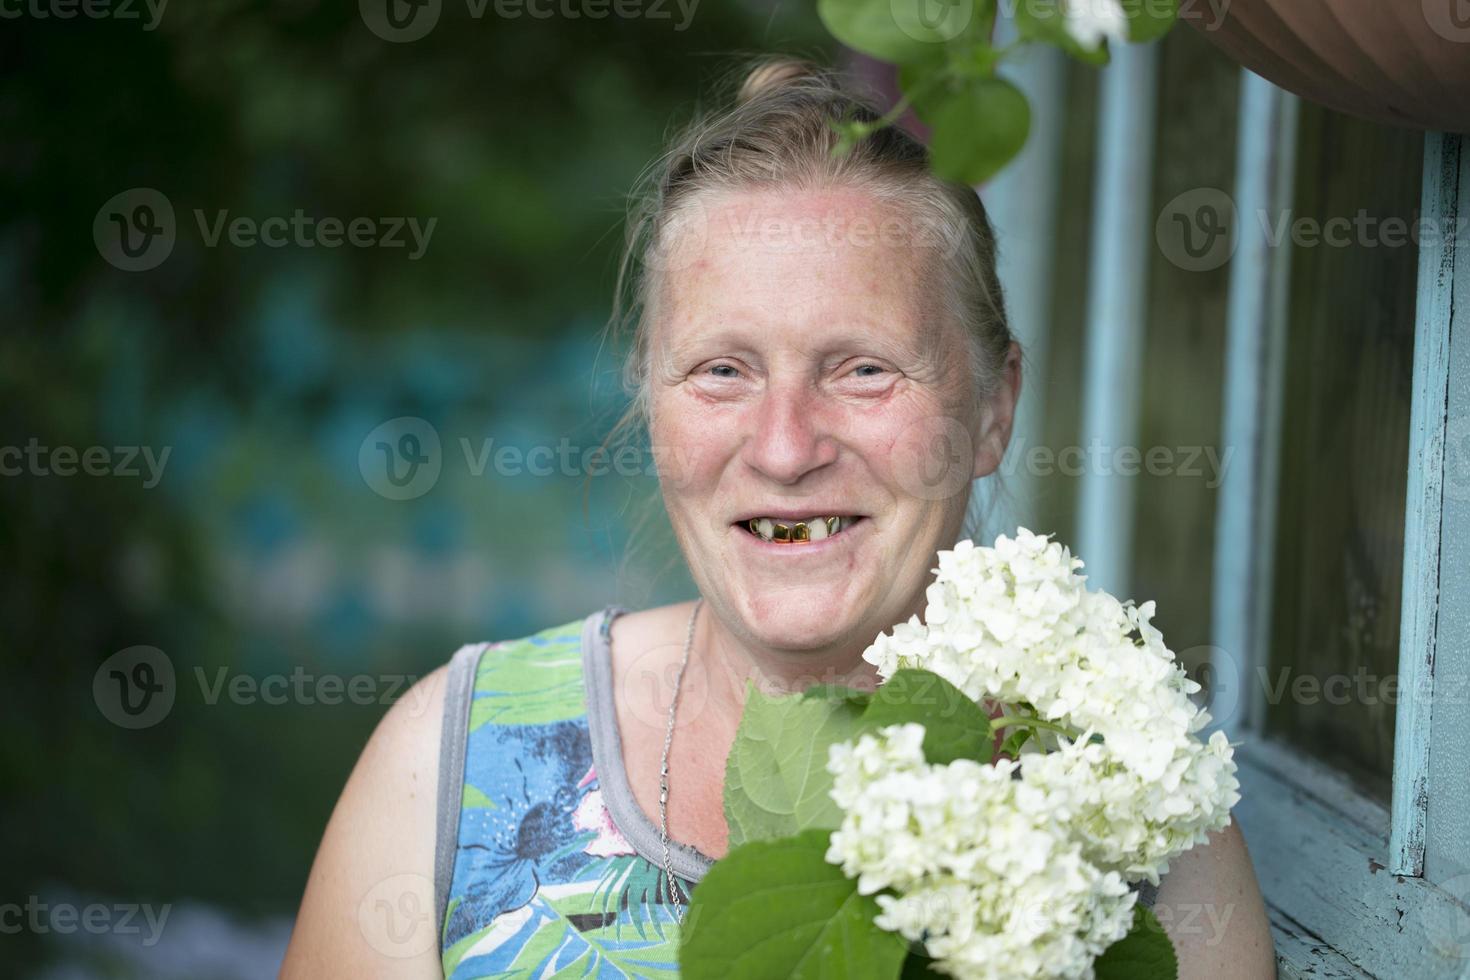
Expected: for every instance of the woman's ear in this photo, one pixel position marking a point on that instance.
(997, 413)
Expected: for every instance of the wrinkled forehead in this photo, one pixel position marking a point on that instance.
(790, 255)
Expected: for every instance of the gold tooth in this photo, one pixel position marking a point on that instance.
(787, 533)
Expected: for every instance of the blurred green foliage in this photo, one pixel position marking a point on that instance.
(522, 137)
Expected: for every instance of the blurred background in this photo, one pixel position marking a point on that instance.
(260, 543)
(200, 411)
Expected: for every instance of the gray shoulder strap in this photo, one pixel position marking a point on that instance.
(453, 736)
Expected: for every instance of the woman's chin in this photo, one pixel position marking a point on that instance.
(807, 616)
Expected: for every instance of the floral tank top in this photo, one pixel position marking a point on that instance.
(546, 865)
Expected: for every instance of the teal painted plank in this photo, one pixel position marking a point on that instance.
(1117, 310)
(1318, 849)
(1447, 818)
(1434, 316)
(1301, 956)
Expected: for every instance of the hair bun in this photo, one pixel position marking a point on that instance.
(774, 74)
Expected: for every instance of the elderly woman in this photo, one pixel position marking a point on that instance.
(821, 357)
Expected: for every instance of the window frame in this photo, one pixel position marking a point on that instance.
(1344, 877)
(1353, 888)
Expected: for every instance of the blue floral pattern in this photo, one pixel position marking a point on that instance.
(544, 883)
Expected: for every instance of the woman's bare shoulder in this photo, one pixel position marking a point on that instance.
(369, 905)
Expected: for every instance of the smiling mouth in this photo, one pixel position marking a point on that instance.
(789, 532)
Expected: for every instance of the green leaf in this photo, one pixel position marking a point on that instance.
(914, 81)
(979, 130)
(1012, 745)
(1149, 20)
(1041, 20)
(905, 31)
(778, 909)
(929, 84)
(838, 692)
(1144, 954)
(955, 727)
(776, 779)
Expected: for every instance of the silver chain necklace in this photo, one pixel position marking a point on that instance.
(663, 777)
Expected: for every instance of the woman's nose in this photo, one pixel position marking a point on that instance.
(789, 437)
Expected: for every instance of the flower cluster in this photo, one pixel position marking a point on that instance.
(986, 876)
(1114, 775)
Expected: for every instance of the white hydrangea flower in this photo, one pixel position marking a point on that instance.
(1090, 22)
(1016, 624)
(987, 876)
(1120, 787)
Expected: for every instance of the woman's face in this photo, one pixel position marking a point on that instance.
(800, 372)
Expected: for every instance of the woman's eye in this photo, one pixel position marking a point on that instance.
(868, 370)
(718, 368)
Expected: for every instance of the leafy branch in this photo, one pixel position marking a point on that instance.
(948, 64)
